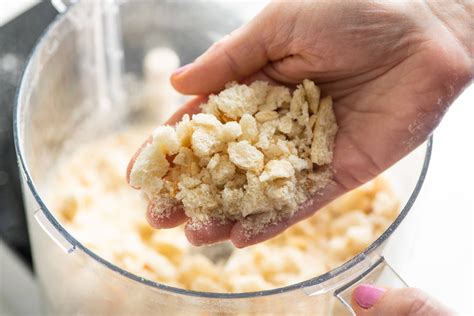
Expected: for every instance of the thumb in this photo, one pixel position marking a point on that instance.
(369, 300)
(235, 57)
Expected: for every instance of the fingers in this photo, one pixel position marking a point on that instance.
(235, 57)
(158, 217)
(208, 233)
(369, 300)
(262, 77)
(241, 237)
(291, 70)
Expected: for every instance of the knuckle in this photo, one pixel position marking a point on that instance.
(232, 61)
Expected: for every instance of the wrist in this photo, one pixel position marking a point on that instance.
(455, 17)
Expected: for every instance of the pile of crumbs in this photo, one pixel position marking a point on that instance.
(91, 198)
(254, 150)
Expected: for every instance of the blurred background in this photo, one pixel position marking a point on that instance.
(442, 263)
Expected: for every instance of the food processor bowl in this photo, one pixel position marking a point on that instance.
(74, 89)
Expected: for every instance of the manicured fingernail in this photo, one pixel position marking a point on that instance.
(366, 295)
(181, 69)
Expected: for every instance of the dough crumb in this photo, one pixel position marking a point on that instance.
(254, 154)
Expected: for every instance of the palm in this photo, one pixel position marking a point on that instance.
(387, 86)
(383, 111)
(381, 119)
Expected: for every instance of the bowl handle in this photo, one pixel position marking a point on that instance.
(52, 231)
(379, 273)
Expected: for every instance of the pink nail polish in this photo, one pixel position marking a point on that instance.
(366, 295)
(181, 69)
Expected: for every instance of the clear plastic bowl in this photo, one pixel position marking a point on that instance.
(72, 79)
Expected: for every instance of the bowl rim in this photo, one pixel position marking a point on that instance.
(22, 164)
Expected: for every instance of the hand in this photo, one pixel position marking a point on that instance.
(392, 69)
(368, 300)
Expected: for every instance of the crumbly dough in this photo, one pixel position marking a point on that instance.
(91, 198)
(254, 150)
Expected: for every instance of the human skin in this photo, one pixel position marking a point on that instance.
(369, 300)
(393, 69)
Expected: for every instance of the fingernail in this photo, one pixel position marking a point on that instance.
(366, 295)
(181, 69)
